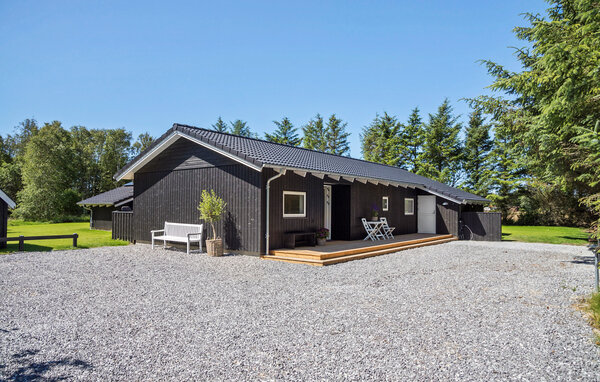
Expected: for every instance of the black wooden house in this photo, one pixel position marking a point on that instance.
(5, 204)
(271, 189)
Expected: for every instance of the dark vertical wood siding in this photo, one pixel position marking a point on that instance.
(173, 195)
(3, 221)
(447, 217)
(279, 225)
(364, 196)
(486, 226)
(122, 225)
(102, 218)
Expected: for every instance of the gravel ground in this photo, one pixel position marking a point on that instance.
(457, 311)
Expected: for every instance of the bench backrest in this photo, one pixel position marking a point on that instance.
(181, 229)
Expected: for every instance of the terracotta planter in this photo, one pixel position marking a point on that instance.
(321, 241)
(374, 218)
(214, 247)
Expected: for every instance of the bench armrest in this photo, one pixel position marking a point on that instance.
(157, 231)
(194, 234)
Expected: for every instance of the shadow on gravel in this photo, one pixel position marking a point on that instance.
(29, 370)
(587, 260)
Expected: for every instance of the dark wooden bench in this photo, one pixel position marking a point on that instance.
(292, 239)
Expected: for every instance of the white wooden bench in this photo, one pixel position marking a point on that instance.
(180, 233)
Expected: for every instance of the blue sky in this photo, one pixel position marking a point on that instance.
(145, 65)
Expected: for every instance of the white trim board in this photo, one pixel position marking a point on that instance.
(350, 178)
(8, 200)
(172, 138)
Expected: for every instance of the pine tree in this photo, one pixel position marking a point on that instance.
(476, 155)
(441, 156)
(220, 126)
(285, 133)
(337, 137)
(411, 139)
(239, 127)
(315, 134)
(380, 140)
(507, 175)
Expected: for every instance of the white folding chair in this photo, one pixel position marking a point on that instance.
(387, 230)
(373, 233)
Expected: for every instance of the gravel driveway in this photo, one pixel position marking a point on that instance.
(457, 311)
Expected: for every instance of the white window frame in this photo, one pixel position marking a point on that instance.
(412, 200)
(302, 215)
(385, 203)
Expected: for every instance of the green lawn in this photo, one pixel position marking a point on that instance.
(87, 238)
(550, 235)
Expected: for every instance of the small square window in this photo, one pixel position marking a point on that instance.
(409, 206)
(294, 204)
(385, 203)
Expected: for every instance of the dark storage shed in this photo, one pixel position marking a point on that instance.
(5, 204)
(102, 205)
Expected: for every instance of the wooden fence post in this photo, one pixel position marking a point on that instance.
(21, 243)
(75, 236)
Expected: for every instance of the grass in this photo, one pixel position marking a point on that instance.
(550, 235)
(592, 307)
(87, 238)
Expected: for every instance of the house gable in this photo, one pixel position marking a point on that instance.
(184, 154)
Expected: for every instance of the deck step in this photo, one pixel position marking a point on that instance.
(316, 255)
(356, 256)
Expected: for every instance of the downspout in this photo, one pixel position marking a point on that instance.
(91, 214)
(267, 208)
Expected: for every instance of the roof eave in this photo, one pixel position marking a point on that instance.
(11, 204)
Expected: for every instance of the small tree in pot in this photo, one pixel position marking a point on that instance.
(211, 209)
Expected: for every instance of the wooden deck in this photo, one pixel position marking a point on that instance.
(340, 251)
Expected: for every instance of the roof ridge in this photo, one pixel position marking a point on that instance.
(294, 147)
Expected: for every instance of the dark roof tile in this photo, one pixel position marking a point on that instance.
(111, 197)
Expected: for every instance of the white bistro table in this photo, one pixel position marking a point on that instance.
(376, 226)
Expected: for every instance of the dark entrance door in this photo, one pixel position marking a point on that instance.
(340, 212)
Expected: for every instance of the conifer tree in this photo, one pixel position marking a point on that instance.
(285, 133)
(441, 156)
(337, 137)
(220, 126)
(314, 134)
(476, 155)
(380, 140)
(239, 127)
(410, 142)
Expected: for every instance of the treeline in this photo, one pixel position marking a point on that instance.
(48, 168)
(326, 136)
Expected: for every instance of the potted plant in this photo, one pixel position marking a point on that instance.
(322, 236)
(374, 213)
(211, 209)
